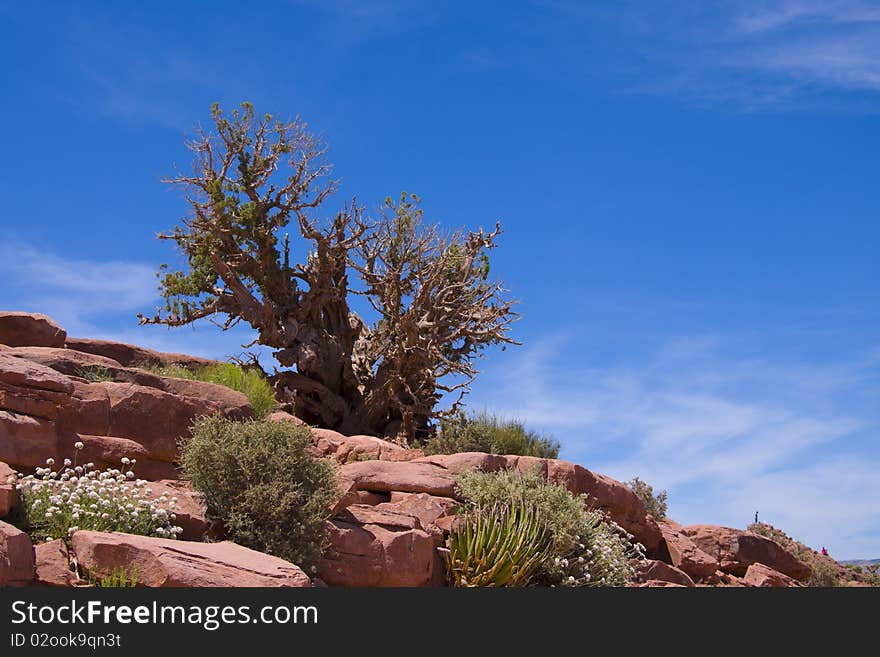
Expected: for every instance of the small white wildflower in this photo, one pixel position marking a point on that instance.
(50, 461)
(78, 444)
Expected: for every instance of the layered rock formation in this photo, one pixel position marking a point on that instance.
(395, 509)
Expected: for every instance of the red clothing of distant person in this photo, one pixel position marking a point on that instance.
(824, 552)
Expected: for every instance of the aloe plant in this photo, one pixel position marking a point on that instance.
(500, 546)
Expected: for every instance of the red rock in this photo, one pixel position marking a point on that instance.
(26, 442)
(406, 476)
(364, 514)
(79, 364)
(282, 416)
(8, 493)
(735, 550)
(53, 565)
(16, 557)
(427, 508)
(87, 411)
(160, 562)
(659, 583)
(466, 461)
(653, 570)
(366, 497)
(377, 555)
(64, 361)
(611, 496)
(108, 452)
(20, 372)
(231, 403)
(152, 417)
(190, 509)
(347, 449)
(30, 329)
(764, 577)
(131, 356)
(684, 553)
(31, 401)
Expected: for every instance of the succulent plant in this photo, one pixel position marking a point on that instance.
(500, 546)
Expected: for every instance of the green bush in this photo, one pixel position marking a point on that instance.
(249, 382)
(824, 574)
(655, 504)
(261, 483)
(501, 546)
(56, 503)
(587, 549)
(489, 433)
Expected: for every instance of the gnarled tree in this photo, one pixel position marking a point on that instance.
(436, 309)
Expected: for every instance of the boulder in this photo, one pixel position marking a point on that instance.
(16, 557)
(229, 402)
(30, 329)
(387, 550)
(347, 449)
(8, 492)
(611, 496)
(77, 363)
(108, 452)
(53, 565)
(282, 416)
(427, 508)
(160, 562)
(735, 550)
(455, 464)
(65, 361)
(22, 373)
(26, 442)
(87, 411)
(684, 553)
(765, 577)
(152, 417)
(405, 476)
(131, 356)
(653, 570)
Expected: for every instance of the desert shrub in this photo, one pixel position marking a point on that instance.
(262, 484)
(56, 503)
(489, 433)
(501, 546)
(825, 570)
(824, 574)
(95, 374)
(251, 383)
(587, 548)
(655, 504)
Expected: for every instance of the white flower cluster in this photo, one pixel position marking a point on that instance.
(602, 555)
(57, 503)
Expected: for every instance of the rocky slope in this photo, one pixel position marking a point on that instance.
(396, 506)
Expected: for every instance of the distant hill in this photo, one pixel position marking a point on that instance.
(861, 562)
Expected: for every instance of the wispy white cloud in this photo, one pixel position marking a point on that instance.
(726, 433)
(764, 16)
(100, 299)
(753, 55)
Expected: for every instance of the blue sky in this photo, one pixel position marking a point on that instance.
(689, 197)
